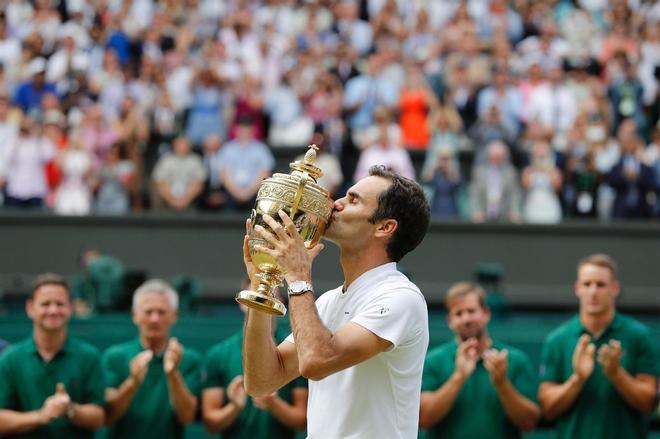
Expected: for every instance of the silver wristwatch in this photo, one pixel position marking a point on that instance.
(298, 287)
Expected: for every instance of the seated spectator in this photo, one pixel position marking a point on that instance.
(207, 108)
(488, 128)
(631, 179)
(25, 160)
(445, 124)
(416, 102)
(494, 189)
(178, 177)
(384, 152)
(444, 183)
(553, 104)
(247, 162)
(581, 187)
(505, 97)
(541, 181)
(625, 93)
(51, 384)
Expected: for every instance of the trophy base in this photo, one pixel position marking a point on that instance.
(261, 302)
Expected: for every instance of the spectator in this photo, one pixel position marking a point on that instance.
(541, 181)
(631, 178)
(289, 126)
(26, 158)
(178, 177)
(247, 162)
(553, 104)
(332, 177)
(488, 129)
(384, 151)
(153, 382)
(213, 197)
(74, 195)
(589, 387)
(115, 181)
(100, 284)
(625, 95)
(226, 407)
(505, 97)
(495, 191)
(444, 184)
(207, 108)
(29, 94)
(474, 386)
(445, 125)
(51, 384)
(417, 100)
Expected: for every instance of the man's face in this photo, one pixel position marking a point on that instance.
(597, 289)
(467, 318)
(154, 316)
(50, 308)
(349, 223)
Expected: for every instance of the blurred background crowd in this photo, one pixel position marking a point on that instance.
(520, 111)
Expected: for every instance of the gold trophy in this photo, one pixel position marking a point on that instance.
(307, 204)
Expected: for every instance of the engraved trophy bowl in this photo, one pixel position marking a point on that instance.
(307, 204)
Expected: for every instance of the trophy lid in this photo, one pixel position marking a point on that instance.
(308, 164)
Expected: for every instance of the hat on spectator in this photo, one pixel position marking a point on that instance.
(36, 66)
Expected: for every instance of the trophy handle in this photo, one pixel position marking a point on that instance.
(301, 187)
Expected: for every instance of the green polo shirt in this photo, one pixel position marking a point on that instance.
(223, 363)
(477, 412)
(150, 414)
(26, 380)
(599, 410)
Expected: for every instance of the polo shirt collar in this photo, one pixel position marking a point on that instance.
(579, 329)
(370, 276)
(65, 349)
(137, 344)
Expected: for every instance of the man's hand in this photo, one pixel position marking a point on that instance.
(172, 356)
(609, 358)
(236, 392)
(288, 248)
(496, 363)
(583, 358)
(140, 365)
(265, 402)
(55, 405)
(466, 358)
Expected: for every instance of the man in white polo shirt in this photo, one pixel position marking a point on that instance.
(361, 345)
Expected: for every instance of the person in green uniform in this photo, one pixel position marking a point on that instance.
(473, 386)
(153, 382)
(51, 384)
(599, 370)
(228, 410)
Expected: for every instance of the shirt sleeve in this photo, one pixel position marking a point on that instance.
(646, 356)
(111, 364)
(192, 373)
(7, 386)
(550, 369)
(432, 377)
(523, 377)
(94, 382)
(397, 316)
(215, 376)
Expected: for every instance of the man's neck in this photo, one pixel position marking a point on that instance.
(156, 345)
(596, 323)
(355, 264)
(49, 343)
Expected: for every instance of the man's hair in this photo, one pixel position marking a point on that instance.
(405, 202)
(156, 286)
(600, 260)
(48, 279)
(461, 289)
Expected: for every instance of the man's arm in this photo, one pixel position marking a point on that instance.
(118, 400)
(322, 353)
(435, 405)
(13, 422)
(87, 416)
(520, 410)
(293, 415)
(216, 415)
(556, 398)
(183, 402)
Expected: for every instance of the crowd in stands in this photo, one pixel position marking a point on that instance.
(523, 111)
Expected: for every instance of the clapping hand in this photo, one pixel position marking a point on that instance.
(55, 405)
(496, 362)
(466, 357)
(140, 365)
(173, 355)
(609, 358)
(583, 358)
(236, 392)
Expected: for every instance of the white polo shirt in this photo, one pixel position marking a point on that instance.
(378, 398)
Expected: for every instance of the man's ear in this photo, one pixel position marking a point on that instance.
(387, 227)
